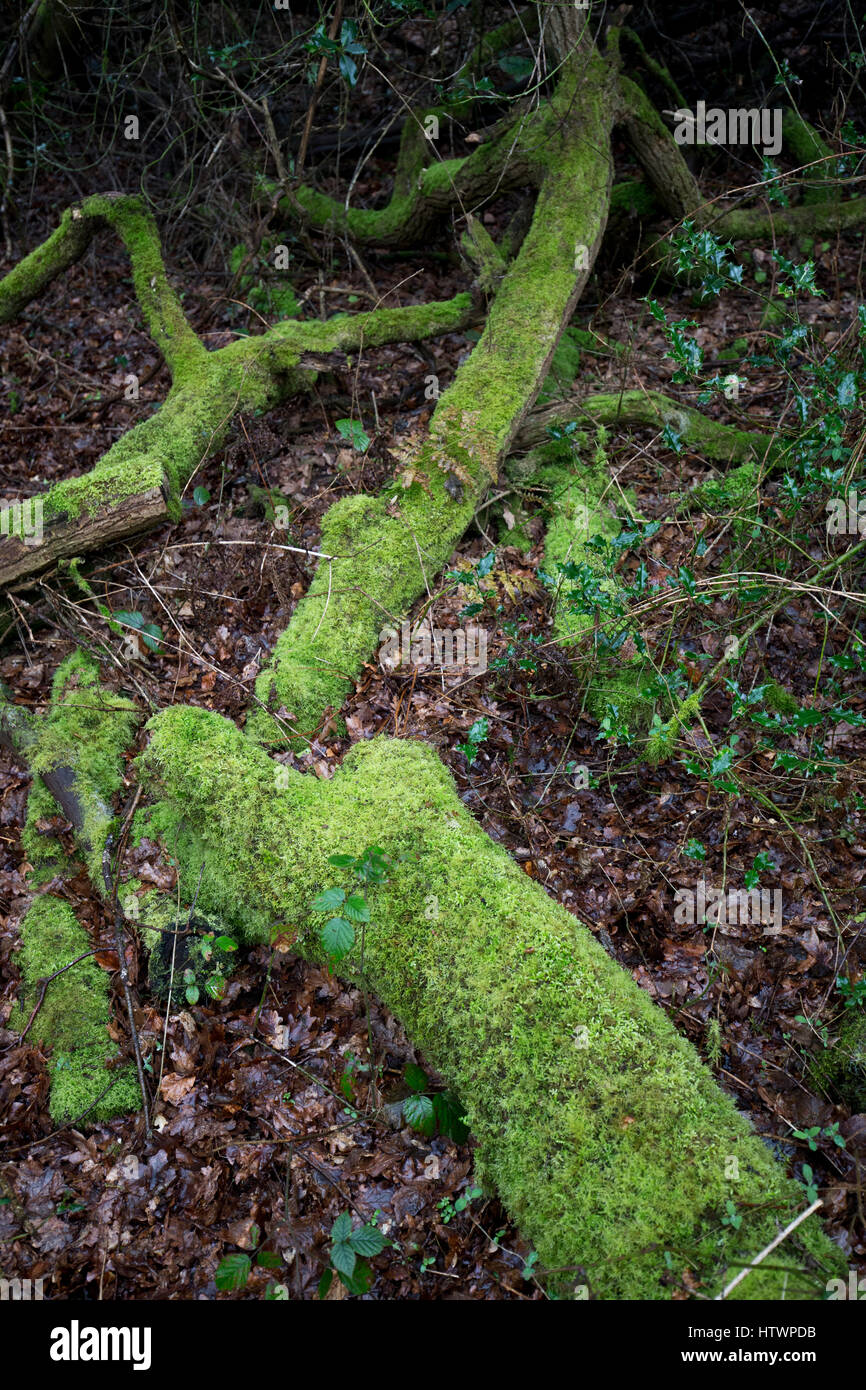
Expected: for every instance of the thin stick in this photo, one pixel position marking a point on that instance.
(43, 986)
(311, 110)
(773, 1243)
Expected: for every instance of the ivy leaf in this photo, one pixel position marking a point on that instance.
(200, 496)
(232, 1272)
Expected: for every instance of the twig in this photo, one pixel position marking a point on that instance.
(767, 1249)
(43, 984)
(314, 100)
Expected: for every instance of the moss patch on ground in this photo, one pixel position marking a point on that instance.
(580, 503)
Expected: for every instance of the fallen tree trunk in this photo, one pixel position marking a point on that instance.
(606, 1137)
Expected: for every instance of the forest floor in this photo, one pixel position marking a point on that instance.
(281, 1137)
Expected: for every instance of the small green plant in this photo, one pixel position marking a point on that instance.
(345, 49)
(233, 1271)
(694, 849)
(612, 727)
(426, 1110)
(448, 1209)
(815, 1133)
(259, 288)
(474, 739)
(472, 578)
(214, 953)
(338, 933)
(353, 432)
(761, 864)
(151, 633)
(809, 1184)
(349, 1252)
(853, 993)
(732, 1217)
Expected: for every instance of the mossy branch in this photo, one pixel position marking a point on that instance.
(388, 547)
(513, 157)
(160, 305)
(140, 481)
(714, 440)
(678, 192)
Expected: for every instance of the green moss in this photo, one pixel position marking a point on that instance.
(388, 549)
(841, 1068)
(722, 443)
(580, 503)
(777, 698)
(663, 738)
(73, 1018)
(633, 198)
(161, 454)
(87, 729)
(605, 1135)
(737, 490)
(564, 367)
(484, 254)
(806, 146)
(43, 852)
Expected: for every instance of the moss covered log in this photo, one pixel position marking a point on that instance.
(87, 1078)
(606, 1137)
(391, 546)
